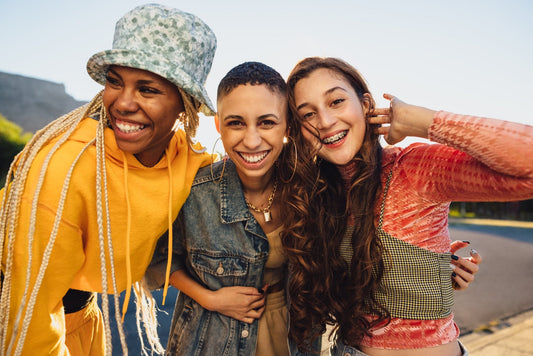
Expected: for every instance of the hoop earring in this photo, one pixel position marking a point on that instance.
(213, 161)
(285, 140)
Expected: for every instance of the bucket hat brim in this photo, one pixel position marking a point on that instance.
(99, 63)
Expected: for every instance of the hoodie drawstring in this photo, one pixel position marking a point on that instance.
(169, 257)
(128, 230)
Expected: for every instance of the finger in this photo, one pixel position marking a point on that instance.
(260, 311)
(382, 119)
(249, 291)
(382, 130)
(460, 278)
(388, 96)
(247, 320)
(459, 283)
(465, 264)
(380, 111)
(457, 245)
(466, 274)
(255, 314)
(257, 304)
(468, 265)
(475, 257)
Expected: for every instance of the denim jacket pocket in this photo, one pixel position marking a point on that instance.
(219, 269)
(179, 324)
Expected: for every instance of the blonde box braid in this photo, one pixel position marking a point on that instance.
(11, 204)
(101, 176)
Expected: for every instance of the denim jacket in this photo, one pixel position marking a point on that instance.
(220, 243)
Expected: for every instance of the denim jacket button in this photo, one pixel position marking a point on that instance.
(244, 333)
(220, 270)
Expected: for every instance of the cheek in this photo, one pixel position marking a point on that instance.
(107, 99)
(309, 134)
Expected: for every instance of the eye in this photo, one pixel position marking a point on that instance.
(111, 80)
(149, 90)
(337, 101)
(308, 116)
(267, 123)
(234, 123)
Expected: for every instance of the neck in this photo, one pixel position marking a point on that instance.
(257, 185)
(347, 171)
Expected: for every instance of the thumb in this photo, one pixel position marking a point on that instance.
(457, 245)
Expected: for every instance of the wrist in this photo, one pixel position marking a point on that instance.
(421, 121)
(206, 301)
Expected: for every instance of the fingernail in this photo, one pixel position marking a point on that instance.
(454, 257)
(466, 241)
(452, 266)
(473, 252)
(454, 274)
(261, 291)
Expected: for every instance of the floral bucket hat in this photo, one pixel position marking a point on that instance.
(171, 43)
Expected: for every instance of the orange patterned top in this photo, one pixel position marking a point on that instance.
(477, 159)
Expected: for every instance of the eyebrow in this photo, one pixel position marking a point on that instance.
(139, 82)
(260, 117)
(327, 92)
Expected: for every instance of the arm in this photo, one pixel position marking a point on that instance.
(476, 161)
(241, 303)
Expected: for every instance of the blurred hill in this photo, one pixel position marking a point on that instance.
(33, 103)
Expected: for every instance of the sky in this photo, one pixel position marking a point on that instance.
(468, 57)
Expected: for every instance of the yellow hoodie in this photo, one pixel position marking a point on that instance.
(75, 257)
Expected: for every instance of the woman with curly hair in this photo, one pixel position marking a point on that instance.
(366, 227)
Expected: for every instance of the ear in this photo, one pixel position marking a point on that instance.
(217, 122)
(367, 99)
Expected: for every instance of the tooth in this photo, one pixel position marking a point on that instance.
(253, 158)
(127, 128)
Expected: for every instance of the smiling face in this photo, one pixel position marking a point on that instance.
(328, 106)
(252, 121)
(142, 109)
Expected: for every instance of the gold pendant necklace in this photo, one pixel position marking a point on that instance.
(265, 211)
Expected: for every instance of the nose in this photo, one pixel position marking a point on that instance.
(126, 102)
(326, 120)
(252, 137)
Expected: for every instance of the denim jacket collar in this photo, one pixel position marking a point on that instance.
(233, 206)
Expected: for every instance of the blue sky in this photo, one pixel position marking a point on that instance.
(471, 57)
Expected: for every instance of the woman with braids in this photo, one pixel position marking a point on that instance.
(366, 227)
(88, 197)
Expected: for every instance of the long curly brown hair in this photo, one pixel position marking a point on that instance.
(323, 289)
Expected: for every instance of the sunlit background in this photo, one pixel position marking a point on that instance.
(470, 57)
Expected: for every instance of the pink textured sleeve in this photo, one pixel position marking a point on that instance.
(478, 159)
(504, 146)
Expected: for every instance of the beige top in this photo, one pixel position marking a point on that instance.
(275, 264)
(272, 337)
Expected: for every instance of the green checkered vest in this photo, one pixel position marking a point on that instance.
(416, 283)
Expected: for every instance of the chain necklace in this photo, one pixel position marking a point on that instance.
(265, 211)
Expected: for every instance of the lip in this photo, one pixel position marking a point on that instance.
(335, 139)
(127, 129)
(253, 159)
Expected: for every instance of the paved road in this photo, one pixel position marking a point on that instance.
(504, 285)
